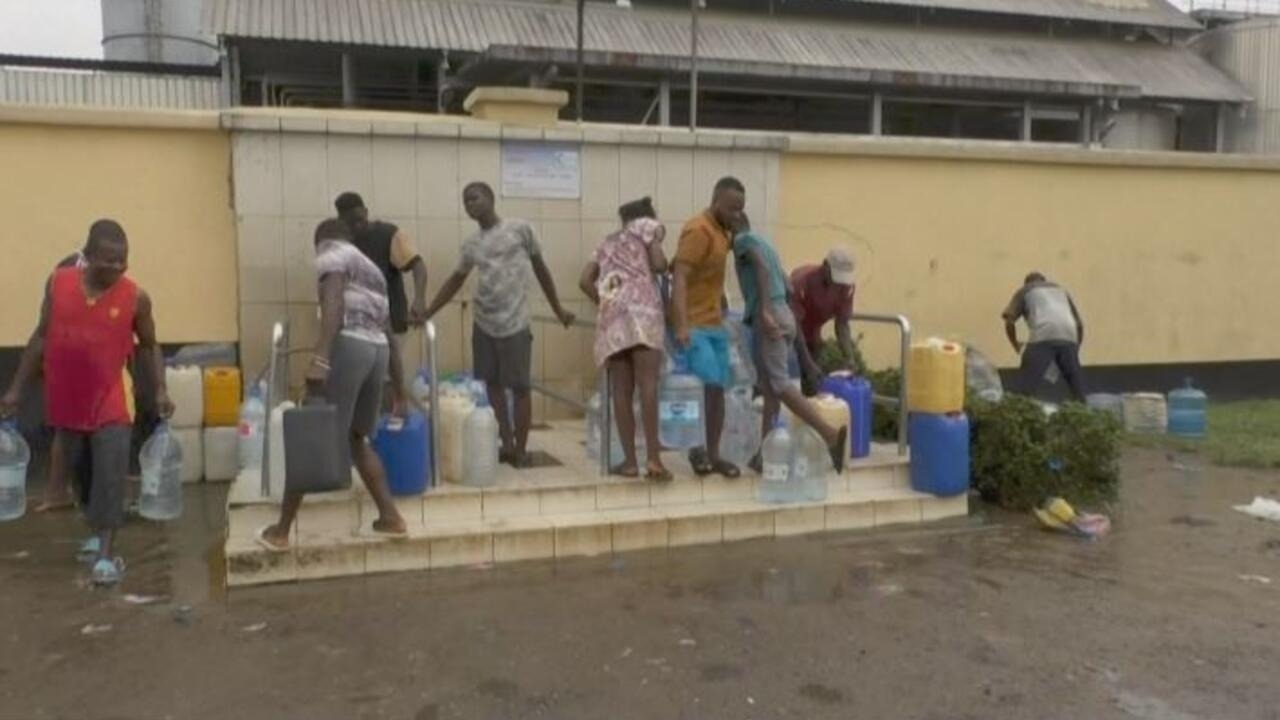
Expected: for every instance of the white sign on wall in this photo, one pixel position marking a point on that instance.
(546, 170)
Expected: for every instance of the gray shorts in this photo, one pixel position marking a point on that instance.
(502, 361)
(99, 463)
(356, 380)
(772, 355)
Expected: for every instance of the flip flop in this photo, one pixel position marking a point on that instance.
(624, 471)
(260, 537)
(89, 549)
(661, 476)
(700, 463)
(48, 507)
(726, 469)
(838, 454)
(107, 572)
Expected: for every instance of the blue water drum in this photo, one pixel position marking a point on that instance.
(939, 453)
(401, 444)
(1187, 412)
(856, 393)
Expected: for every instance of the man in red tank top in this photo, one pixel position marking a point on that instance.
(89, 320)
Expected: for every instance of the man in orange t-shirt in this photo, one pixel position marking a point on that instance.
(699, 268)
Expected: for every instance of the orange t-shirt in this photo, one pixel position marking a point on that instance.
(704, 247)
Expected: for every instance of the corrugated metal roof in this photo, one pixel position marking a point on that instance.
(1146, 13)
(856, 53)
(103, 89)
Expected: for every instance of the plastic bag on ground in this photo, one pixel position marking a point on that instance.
(1262, 508)
(981, 376)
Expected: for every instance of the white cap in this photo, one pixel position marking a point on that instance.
(840, 260)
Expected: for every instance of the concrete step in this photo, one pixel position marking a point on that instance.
(334, 541)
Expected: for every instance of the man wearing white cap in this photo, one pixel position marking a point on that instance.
(820, 294)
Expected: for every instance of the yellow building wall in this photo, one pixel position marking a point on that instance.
(1166, 263)
(170, 190)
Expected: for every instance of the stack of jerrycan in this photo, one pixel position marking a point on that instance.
(938, 429)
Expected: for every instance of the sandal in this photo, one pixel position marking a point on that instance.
(726, 469)
(624, 470)
(260, 537)
(49, 506)
(756, 463)
(838, 454)
(394, 533)
(700, 463)
(107, 572)
(89, 549)
(661, 475)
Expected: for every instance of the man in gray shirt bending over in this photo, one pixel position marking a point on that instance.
(1056, 334)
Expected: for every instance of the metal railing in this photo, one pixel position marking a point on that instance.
(431, 356)
(606, 393)
(904, 333)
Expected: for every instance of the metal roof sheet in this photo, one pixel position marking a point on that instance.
(1146, 13)
(108, 89)
(854, 52)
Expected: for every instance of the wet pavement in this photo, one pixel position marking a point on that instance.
(1175, 616)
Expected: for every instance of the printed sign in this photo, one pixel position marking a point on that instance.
(545, 170)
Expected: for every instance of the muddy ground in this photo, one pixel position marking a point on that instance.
(1170, 618)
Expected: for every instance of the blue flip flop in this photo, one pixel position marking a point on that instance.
(107, 572)
(89, 549)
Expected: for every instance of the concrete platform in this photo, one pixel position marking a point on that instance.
(563, 511)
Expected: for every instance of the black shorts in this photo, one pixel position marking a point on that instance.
(504, 361)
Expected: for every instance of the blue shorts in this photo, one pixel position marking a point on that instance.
(708, 356)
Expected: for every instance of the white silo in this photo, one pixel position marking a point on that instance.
(157, 31)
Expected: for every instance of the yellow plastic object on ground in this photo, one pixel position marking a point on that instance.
(221, 397)
(935, 377)
(833, 410)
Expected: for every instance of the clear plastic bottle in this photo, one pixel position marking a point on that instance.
(812, 468)
(593, 427)
(777, 484)
(15, 457)
(480, 446)
(253, 416)
(420, 389)
(161, 460)
(741, 436)
(680, 413)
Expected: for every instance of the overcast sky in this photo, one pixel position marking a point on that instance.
(67, 28)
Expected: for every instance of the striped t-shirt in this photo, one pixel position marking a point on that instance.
(364, 290)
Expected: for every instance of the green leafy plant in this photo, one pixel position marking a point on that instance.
(831, 358)
(1019, 456)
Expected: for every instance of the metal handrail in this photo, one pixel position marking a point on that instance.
(904, 331)
(279, 361)
(606, 393)
(429, 353)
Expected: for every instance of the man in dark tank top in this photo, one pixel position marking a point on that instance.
(393, 252)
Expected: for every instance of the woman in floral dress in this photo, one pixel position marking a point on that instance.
(621, 279)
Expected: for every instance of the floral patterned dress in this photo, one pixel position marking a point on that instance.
(631, 312)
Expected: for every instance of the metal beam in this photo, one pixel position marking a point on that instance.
(582, 11)
(348, 80)
(877, 114)
(664, 103)
(1220, 129)
(693, 64)
(1025, 134)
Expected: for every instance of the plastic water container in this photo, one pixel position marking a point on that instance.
(777, 485)
(191, 440)
(161, 460)
(480, 447)
(186, 390)
(936, 369)
(857, 395)
(401, 444)
(593, 427)
(811, 468)
(680, 413)
(276, 461)
(221, 453)
(741, 437)
(455, 406)
(1106, 403)
(939, 453)
(15, 456)
(221, 396)
(249, 437)
(420, 390)
(1146, 413)
(1187, 412)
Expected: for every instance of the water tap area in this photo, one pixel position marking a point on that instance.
(1171, 617)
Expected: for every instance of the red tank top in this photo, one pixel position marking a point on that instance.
(87, 343)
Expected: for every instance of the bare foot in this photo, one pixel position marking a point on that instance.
(654, 470)
(393, 527)
(625, 469)
(272, 538)
(50, 504)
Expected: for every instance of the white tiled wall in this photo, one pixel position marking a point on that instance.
(286, 181)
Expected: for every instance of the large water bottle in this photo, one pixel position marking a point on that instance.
(593, 427)
(15, 456)
(680, 412)
(253, 417)
(777, 484)
(1188, 412)
(616, 453)
(480, 446)
(420, 389)
(741, 436)
(812, 469)
(161, 461)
